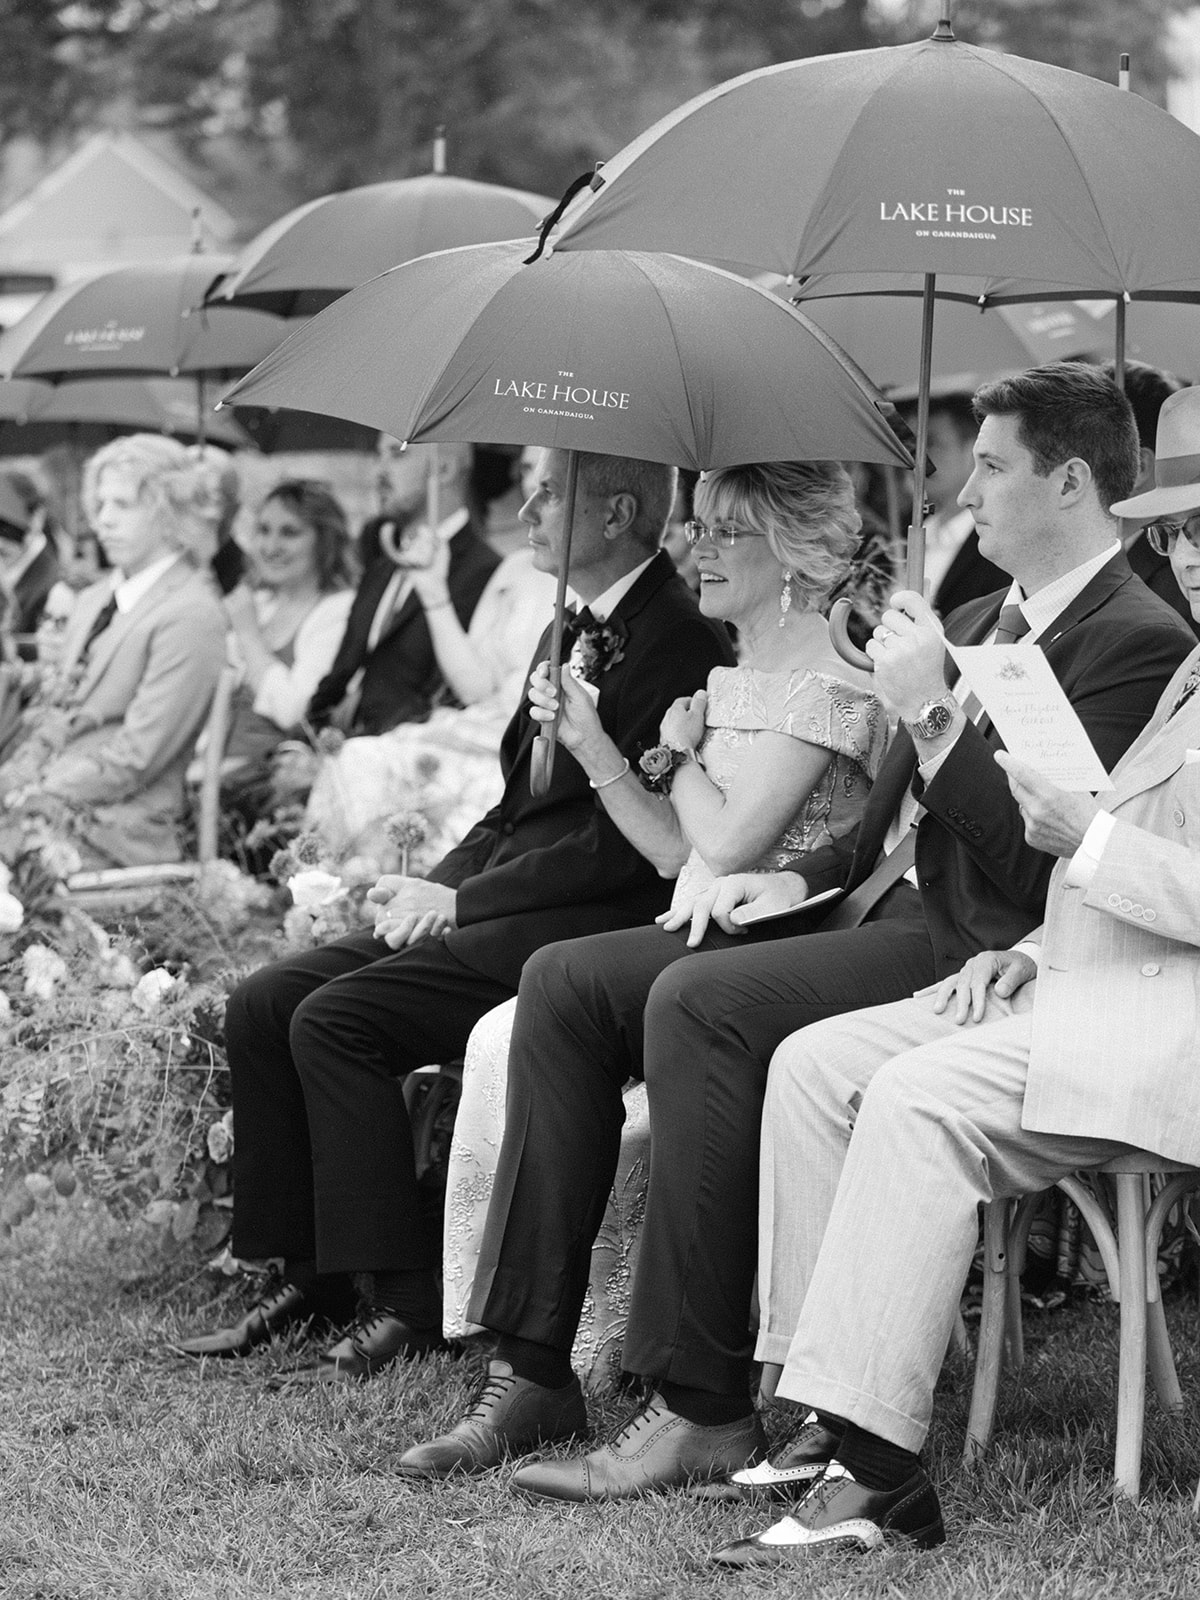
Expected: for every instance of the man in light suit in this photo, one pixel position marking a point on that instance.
(885, 1129)
(141, 658)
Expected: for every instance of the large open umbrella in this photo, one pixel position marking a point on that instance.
(623, 353)
(35, 416)
(319, 251)
(893, 167)
(139, 321)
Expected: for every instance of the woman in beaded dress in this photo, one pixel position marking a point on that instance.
(772, 759)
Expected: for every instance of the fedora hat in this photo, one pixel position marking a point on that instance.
(1176, 462)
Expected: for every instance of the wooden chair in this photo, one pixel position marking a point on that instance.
(1129, 1251)
(111, 887)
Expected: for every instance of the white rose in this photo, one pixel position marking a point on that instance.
(150, 991)
(43, 968)
(313, 889)
(12, 912)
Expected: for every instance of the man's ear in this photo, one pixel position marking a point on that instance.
(621, 515)
(1076, 478)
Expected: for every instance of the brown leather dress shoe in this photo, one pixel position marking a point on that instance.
(508, 1415)
(837, 1512)
(656, 1449)
(281, 1306)
(377, 1339)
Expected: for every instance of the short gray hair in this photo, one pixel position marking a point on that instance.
(806, 510)
(651, 483)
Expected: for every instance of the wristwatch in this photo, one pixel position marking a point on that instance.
(934, 717)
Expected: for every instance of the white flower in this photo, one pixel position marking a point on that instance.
(12, 912)
(220, 1139)
(118, 969)
(43, 968)
(60, 858)
(313, 889)
(152, 989)
(5, 1007)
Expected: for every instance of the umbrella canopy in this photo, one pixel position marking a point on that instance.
(1027, 180)
(879, 170)
(618, 352)
(313, 255)
(139, 320)
(34, 416)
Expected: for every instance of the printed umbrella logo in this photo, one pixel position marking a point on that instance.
(955, 217)
(562, 396)
(106, 340)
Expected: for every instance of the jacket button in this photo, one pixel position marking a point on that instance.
(1150, 915)
(1151, 969)
(1138, 911)
(1177, 817)
(509, 828)
(1114, 900)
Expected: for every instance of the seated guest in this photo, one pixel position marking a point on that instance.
(287, 618)
(1056, 447)
(317, 1043)
(1147, 387)
(387, 669)
(29, 566)
(782, 750)
(445, 766)
(141, 656)
(227, 561)
(885, 1130)
(955, 569)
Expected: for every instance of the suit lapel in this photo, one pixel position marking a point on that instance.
(109, 642)
(1161, 748)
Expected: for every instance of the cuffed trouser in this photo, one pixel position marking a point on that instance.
(883, 1131)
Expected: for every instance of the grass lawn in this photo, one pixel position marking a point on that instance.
(129, 1473)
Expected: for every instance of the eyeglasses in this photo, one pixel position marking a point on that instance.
(693, 532)
(1161, 536)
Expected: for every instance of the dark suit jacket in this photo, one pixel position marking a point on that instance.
(1155, 572)
(30, 593)
(401, 677)
(535, 870)
(982, 887)
(969, 577)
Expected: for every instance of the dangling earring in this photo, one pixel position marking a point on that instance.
(785, 597)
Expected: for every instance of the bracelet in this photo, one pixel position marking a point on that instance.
(616, 778)
(657, 766)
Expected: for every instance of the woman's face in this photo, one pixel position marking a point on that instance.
(736, 582)
(127, 525)
(283, 547)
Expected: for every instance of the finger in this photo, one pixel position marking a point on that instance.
(979, 994)
(944, 994)
(396, 932)
(701, 912)
(422, 928)
(671, 920)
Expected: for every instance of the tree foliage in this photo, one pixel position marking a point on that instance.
(284, 99)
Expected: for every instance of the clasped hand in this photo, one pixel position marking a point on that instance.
(733, 900)
(411, 909)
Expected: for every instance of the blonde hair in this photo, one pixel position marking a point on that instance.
(180, 484)
(804, 508)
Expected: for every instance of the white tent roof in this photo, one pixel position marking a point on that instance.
(114, 200)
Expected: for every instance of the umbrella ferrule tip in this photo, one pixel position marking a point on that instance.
(944, 32)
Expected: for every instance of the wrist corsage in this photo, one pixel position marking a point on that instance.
(656, 768)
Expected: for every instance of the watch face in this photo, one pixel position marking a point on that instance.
(934, 719)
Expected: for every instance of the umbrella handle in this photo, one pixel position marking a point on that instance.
(839, 633)
(541, 760)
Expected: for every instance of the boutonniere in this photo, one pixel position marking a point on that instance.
(596, 649)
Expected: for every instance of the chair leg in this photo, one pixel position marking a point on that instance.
(993, 1321)
(1131, 1378)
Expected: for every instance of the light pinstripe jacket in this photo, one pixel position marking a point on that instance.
(1115, 1051)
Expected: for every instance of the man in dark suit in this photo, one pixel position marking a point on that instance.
(318, 1043)
(385, 671)
(29, 566)
(1056, 446)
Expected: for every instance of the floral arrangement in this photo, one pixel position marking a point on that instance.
(656, 767)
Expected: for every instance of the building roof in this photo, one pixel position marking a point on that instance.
(113, 200)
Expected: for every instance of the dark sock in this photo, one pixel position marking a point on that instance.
(701, 1406)
(301, 1274)
(410, 1293)
(876, 1463)
(831, 1422)
(536, 1363)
